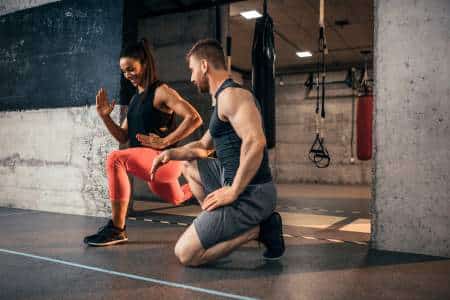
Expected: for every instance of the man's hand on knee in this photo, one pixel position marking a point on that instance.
(221, 197)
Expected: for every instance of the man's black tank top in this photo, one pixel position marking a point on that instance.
(228, 144)
(143, 118)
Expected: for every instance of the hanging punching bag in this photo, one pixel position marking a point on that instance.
(263, 73)
(364, 127)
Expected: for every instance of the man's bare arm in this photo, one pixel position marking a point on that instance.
(194, 150)
(238, 107)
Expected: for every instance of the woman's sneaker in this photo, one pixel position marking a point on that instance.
(271, 235)
(107, 235)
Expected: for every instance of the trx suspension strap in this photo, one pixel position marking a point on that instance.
(318, 153)
(365, 86)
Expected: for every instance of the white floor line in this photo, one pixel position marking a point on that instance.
(131, 276)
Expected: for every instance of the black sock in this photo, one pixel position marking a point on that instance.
(115, 227)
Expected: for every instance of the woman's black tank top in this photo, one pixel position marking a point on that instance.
(143, 118)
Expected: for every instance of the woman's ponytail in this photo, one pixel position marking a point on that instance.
(150, 75)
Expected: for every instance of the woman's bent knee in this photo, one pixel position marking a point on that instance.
(112, 158)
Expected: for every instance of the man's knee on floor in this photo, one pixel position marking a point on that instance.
(186, 255)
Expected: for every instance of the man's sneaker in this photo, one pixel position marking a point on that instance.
(107, 235)
(271, 235)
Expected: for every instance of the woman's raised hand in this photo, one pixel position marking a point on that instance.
(104, 108)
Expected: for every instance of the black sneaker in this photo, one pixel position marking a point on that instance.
(271, 235)
(107, 235)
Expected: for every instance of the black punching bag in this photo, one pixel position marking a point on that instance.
(263, 73)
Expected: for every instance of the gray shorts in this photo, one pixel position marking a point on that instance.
(253, 205)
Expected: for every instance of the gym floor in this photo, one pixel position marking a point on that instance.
(326, 230)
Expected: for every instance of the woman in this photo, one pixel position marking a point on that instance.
(149, 129)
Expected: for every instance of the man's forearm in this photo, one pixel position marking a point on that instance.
(251, 156)
(192, 151)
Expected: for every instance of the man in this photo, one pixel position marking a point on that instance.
(235, 191)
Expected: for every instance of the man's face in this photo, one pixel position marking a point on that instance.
(198, 73)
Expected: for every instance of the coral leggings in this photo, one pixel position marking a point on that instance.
(138, 162)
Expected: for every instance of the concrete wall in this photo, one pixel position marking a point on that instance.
(53, 145)
(10, 6)
(411, 200)
(295, 125)
(53, 160)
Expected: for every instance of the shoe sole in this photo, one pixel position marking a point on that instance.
(273, 258)
(108, 243)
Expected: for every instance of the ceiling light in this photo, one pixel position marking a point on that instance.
(304, 54)
(251, 14)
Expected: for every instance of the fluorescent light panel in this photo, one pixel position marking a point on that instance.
(251, 14)
(304, 54)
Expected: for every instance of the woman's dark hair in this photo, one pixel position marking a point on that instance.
(141, 51)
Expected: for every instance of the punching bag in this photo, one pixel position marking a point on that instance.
(364, 127)
(263, 73)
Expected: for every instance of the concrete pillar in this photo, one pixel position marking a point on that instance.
(411, 192)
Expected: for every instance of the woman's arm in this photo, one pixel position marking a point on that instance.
(104, 109)
(168, 100)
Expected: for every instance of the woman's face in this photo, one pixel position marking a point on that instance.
(132, 70)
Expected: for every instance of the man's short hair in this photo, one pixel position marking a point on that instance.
(208, 49)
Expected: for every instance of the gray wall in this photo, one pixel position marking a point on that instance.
(411, 204)
(53, 149)
(295, 125)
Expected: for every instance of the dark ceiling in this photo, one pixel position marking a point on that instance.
(349, 29)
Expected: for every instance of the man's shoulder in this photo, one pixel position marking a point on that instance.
(236, 91)
(234, 95)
